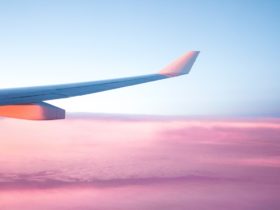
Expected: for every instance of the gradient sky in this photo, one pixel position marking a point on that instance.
(135, 162)
(237, 72)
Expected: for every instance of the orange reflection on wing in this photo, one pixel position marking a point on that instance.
(36, 111)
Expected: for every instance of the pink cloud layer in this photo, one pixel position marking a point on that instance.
(103, 162)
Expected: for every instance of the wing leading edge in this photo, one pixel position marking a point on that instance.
(23, 100)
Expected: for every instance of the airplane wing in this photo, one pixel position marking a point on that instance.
(28, 102)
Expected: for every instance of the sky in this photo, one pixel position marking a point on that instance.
(236, 74)
(110, 162)
(207, 140)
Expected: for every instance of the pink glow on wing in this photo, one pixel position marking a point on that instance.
(181, 65)
(89, 162)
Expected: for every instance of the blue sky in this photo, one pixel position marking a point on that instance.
(237, 72)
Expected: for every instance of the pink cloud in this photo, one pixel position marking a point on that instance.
(122, 162)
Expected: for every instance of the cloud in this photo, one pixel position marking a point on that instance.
(140, 162)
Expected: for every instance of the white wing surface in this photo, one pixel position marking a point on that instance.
(28, 102)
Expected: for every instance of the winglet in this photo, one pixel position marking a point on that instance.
(180, 66)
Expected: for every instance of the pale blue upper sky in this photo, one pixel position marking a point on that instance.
(237, 72)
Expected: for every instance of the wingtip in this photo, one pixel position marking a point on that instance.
(181, 65)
